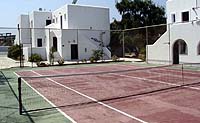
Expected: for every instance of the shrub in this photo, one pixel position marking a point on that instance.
(61, 61)
(41, 64)
(97, 55)
(84, 61)
(14, 52)
(92, 59)
(35, 58)
(142, 54)
(51, 55)
(115, 58)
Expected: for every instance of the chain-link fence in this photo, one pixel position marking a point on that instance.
(132, 43)
(66, 44)
(165, 43)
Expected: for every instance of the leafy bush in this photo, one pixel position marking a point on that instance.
(84, 61)
(115, 58)
(61, 61)
(14, 52)
(35, 58)
(97, 55)
(142, 54)
(51, 55)
(92, 59)
(39, 64)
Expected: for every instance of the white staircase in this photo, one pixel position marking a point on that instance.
(107, 53)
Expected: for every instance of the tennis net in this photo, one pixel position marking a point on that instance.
(38, 92)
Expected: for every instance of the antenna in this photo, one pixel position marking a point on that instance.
(74, 1)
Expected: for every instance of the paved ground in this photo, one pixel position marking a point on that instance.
(6, 62)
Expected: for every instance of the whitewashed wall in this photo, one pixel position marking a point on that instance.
(77, 17)
(187, 31)
(39, 22)
(87, 17)
(60, 12)
(23, 22)
(38, 50)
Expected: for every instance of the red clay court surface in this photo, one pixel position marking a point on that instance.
(178, 105)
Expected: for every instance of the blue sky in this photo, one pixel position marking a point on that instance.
(11, 9)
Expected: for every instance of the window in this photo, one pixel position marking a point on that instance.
(173, 18)
(39, 42)
(53, 20)
(48, 22)
(183, 48)
(65, 17)
(185, 16)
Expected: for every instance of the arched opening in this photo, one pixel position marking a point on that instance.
(179, 48)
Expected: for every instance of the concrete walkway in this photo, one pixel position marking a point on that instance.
(6, 62)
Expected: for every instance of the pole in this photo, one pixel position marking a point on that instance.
(147, 42)
(20, 62)
(78, 43)
(123, 50)
(20, 95)
(169, 44)
(31, 47)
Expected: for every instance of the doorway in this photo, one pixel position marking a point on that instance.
(61, 22)
(180, 48)
(176, 53)
(55, 45)
(74, 51)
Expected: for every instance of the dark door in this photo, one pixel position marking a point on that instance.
(61, 22)
(176, 53)
(55, 46)
(39, 42)
(74, 51)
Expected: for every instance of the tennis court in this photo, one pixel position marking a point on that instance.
(121, 93)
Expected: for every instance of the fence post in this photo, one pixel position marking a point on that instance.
(169, 33)
(20, 94)
(31, 46)
(147, 43)
(123, 45)
(21, 55)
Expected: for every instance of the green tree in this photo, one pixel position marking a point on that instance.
(136, 13)
(14, 52)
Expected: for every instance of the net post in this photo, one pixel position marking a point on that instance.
(20, 94)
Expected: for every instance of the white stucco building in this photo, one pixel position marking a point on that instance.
(181, 42)
(73, 30)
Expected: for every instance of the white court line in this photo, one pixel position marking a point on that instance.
(65, 115)
(166, 83)
(101, 103)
